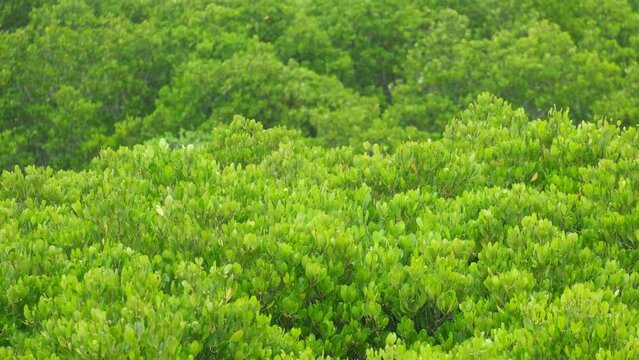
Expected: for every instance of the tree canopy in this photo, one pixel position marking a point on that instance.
(77, 76)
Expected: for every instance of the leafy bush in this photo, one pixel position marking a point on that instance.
(371, 212)
(537, 66)
(77, 76)
(256, 84)
(506, 238)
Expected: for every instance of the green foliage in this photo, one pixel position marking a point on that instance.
(77, 76)
(376, 34)
(257, 84)
(311, 46)
(506, 238)
(536, 54)
(371, 213)
(536, 67)
(15, 13)
(139, 70)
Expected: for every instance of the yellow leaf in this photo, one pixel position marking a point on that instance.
(534, 177)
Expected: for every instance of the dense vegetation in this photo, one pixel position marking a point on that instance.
(80, 75)
(414, 185)
(507, 237)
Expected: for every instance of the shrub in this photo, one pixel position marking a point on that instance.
(504, 238)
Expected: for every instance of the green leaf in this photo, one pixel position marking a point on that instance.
(237, 336)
